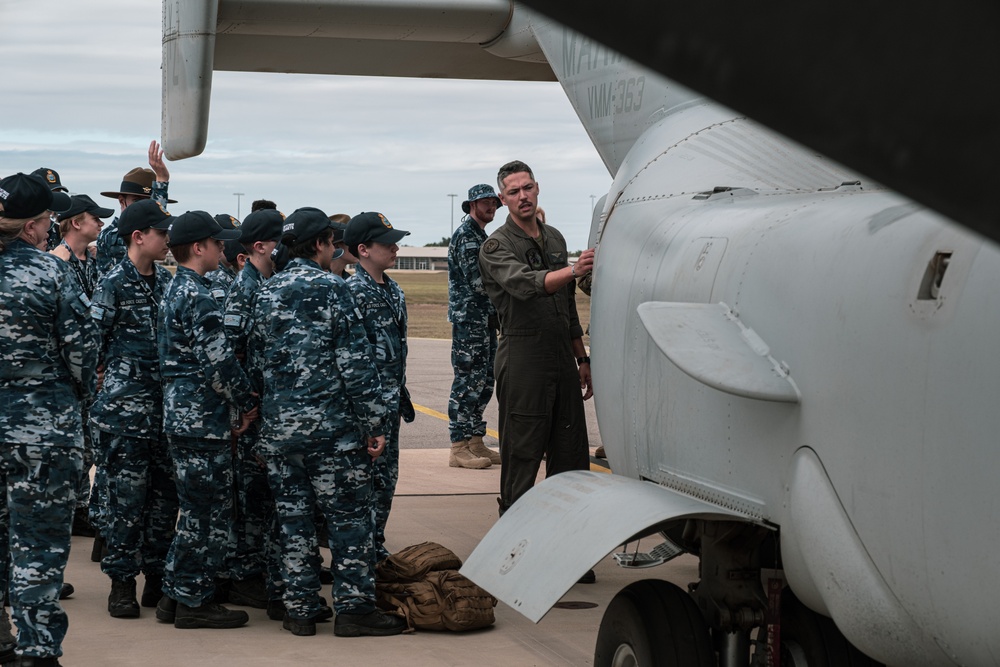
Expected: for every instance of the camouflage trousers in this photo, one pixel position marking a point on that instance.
(385, 474)
(204, 474)
(473, 350)
(83, 486)
(340, 485)
(142, 506)
(38, 515)
(253, 551)
(98, 510)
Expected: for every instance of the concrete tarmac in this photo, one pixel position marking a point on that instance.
(434, 502)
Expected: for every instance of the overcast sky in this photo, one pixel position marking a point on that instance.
(81, 95)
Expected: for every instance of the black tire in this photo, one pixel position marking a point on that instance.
(653, 623)
(809, 639)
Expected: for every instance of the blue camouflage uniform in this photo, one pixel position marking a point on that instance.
(48, 348)
(142, 497)
(321, 395)
(473, 334)
(110, 246)
(254, 551)
(222, 279)
(202, 380)
(85, 270)
(86, 274)
(383, 311)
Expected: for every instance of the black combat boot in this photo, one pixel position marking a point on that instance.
(99, 550)
(208, 615)
(306, 627)
(81, 523)
(122, 602)
(250, 592)
(35, 661)
(166, 609)
(66, 591)
(152, 590)
(373, 624)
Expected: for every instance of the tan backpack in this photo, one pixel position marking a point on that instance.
(423, 584)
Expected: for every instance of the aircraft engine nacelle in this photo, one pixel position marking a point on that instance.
(812, 351)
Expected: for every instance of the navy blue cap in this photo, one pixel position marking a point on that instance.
(23, 196)
(304, 224)
(264, 224)
(84, 204)
(197, 226)
(141, 215)
(372, 227)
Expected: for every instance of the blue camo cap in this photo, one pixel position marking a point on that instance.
(481, 191)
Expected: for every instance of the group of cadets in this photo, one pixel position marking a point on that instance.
(242, 413)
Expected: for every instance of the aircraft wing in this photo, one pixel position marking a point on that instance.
(575, 519)
(459, 39)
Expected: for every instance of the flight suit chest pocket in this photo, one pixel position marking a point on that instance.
(557, 258)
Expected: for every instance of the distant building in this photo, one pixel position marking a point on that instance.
(422, 259)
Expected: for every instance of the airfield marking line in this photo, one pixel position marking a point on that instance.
(440, 415)
(444, 417)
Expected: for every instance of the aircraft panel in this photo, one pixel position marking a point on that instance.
(604, 510)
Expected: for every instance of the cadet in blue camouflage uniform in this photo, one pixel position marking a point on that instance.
(78, 228)
(202, 381)
(49, 350)
(254, 553)
(321, 398)
(142, 497)
(137, 184)
(372, 239)
(222, 278)
(473, 334)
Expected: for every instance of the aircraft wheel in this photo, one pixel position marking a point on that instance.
(653, 623)
(809, 639)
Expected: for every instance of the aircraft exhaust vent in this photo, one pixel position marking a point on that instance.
(930, 286)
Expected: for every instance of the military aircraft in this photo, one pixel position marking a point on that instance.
(793, 364)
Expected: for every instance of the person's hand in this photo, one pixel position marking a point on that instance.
(156, 162)
(246, 419)
(585, 264)
(376, 445)
(586, 382)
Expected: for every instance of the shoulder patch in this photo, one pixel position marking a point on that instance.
(491, 245)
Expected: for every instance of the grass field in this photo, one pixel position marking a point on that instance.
(427, 303)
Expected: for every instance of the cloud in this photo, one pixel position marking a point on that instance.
(86, 102)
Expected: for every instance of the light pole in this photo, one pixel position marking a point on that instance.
(592, 204)
(453, 213)
(238, 196)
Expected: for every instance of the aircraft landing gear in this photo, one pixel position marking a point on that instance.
(653, 623)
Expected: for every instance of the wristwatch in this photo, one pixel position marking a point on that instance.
(582, 360)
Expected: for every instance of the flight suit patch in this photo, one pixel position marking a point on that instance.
(490, 245)
(534, 259)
